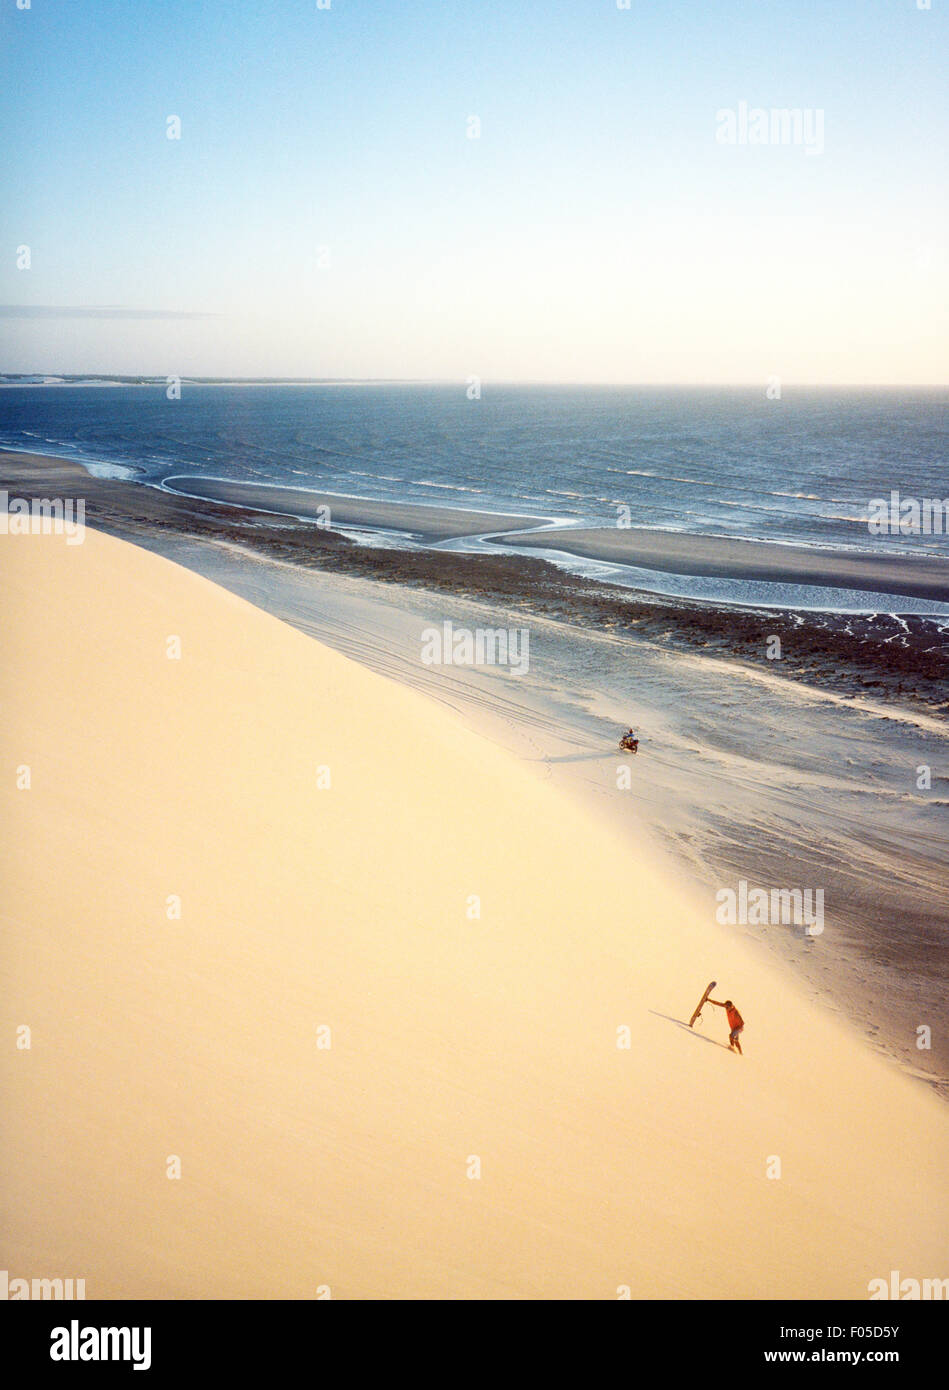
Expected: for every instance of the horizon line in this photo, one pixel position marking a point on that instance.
(132, 378)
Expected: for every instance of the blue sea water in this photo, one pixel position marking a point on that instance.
(726, 461)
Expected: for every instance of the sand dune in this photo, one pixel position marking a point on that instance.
(453, 1038)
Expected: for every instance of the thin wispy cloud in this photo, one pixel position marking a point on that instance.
(93, 311)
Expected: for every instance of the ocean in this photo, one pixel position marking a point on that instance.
(801, 469)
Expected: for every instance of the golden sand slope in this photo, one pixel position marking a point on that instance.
(347, 907)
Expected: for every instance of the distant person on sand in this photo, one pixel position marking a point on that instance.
(735, 1022)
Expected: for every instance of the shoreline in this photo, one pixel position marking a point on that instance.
(901, 659)
(674, 552)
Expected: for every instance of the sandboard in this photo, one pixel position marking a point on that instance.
(700, 1004)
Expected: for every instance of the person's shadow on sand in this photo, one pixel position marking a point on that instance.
(679, 1024)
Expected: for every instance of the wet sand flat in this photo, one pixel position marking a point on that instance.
(429, 523)
(720, 557)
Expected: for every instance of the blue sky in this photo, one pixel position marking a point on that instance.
(595, 231)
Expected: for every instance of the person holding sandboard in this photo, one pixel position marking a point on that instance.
(735, 1022)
